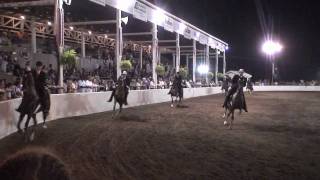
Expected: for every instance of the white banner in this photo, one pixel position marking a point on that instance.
(203, 39)
(168, 24)
(140, 11)
(101, 2)
(187, 33)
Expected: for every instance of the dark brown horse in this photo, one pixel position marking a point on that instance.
(176, 93)
(28, 106)
(119, 97)
(237, 101)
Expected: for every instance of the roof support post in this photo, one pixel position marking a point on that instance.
(194, 59)
(207, 59)
(154, 52)
(141, 57)
(59, 35)
(217, 66)
(119, 42)
(224, 62)
(83, 45)
(177, 52)
(33, 37)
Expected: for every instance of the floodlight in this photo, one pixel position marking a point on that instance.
(270, 48)
(203, 69)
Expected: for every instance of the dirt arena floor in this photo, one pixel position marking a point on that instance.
(278, 139)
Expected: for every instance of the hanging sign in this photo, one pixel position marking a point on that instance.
(140, 11)
(203, 39)
(187, 33)
(168, 24)
(101, 2)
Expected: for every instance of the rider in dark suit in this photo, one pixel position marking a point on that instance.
(41, 79)
(238, 81)
(177, 83)
(126, 83)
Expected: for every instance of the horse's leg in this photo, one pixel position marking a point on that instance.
(19, 122)
(26, 128)
(45, 115)
(232, 118)
(120, 108)
(171, 101)
(225, 113)
(114, 108)
(35, 122)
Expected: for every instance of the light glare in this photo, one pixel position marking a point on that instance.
(271, 48)
(203, 69)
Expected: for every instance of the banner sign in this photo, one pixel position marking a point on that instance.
(187, 33)
(140, 11)
(101, 2)
(168, 24)
(203, 39)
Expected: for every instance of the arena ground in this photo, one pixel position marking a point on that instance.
(278, 139)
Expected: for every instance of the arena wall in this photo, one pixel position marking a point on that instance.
(78, 104)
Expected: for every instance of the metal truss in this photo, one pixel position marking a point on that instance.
(46, 31)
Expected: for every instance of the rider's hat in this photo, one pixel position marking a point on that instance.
(124, 73)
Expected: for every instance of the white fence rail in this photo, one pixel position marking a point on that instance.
(68, 105)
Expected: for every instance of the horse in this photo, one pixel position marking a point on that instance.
(235, 102)
(119, 97)
(28, 106)
(175, 92)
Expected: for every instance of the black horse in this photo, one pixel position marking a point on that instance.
(119, 97)
(28, 106)
(176, 92)
(237, 101)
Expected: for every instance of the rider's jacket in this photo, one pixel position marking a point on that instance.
(242, 81)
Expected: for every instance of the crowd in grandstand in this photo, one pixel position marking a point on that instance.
(15, 57)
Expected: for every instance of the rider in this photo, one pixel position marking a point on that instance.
(126, 84)
(177, 83)
(238, 81)
(41, 79)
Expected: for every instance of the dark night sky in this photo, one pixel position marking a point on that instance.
(296, 24)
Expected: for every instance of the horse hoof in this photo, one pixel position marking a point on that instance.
(172, 105)
(32, 136)
(223, 116)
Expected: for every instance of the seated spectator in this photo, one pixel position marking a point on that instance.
(3, 96)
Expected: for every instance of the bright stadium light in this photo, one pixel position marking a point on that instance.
(23, 17)
(203, 69)
(105, 36)
(270, 47)
(89, 32)
(71, 28)
(49, 23)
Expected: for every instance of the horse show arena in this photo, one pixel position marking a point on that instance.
(278, 139)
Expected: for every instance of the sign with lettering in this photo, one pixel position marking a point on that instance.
(168, 24)
(140, 11)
